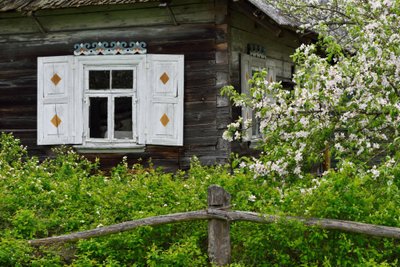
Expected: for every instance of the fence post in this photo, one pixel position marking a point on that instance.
(219, 245)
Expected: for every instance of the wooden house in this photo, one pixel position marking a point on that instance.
(130, 78)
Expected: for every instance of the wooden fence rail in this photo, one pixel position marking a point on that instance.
(219, 217)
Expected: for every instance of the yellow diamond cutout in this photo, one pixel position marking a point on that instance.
(164, 78)
(164, 120)
(56, 121)
(55, 79)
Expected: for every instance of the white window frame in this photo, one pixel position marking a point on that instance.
(84, 65)
(248, 65)
(157, 101)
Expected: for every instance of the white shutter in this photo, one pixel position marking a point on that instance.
(270, 67)
(246, 75)
(248, 65)
(164, 123)
(58, 114)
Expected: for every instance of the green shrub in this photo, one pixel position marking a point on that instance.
(68, 193)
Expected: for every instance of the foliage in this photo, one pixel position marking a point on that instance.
(68, 193)
(346, 99)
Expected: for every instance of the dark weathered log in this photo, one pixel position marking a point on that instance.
(328, 224)
(125, 226)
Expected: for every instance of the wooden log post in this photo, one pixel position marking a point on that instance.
(219, 244)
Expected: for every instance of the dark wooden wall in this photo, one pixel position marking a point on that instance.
(279, 43)
(202, 36)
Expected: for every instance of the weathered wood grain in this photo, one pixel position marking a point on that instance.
(130, 16)
(125, 226)
(219, 242)
(210, 34)
(196, 41)
(230, 216)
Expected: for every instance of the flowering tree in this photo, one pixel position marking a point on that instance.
(346, 101)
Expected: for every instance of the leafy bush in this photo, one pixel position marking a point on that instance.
(68, 193)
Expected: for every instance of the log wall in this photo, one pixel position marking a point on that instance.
(279, 43)
(202, 36)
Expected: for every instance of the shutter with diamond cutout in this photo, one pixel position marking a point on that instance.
(164, 112)
(58, 114)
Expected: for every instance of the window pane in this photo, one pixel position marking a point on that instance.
(122, 79)
(99, 79)
(255, 125)
(98, 117)
(123, 118)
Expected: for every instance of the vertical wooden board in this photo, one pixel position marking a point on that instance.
(165, 100)
(58, 111)
(219, 241)
(165, 121)
(55, 79)
(287, 69)
(55, 122)
(165, 76)
(272, 71)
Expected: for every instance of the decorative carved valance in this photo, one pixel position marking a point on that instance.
(256, 50)
(113, 48)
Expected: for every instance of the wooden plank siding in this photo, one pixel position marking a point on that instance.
(279, 44)
(202, 36)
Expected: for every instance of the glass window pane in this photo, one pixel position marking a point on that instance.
(98, 117)
(99, 79)
(123, 118)
(122, 79)
(255, 125)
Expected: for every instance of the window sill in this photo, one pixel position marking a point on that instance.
(109, 148)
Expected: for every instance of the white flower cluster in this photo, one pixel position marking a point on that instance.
(347, 102)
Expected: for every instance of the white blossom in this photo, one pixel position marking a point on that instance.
(252, 198)
(349, 104)
(375, 173)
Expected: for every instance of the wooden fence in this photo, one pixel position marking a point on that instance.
(219, 217)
